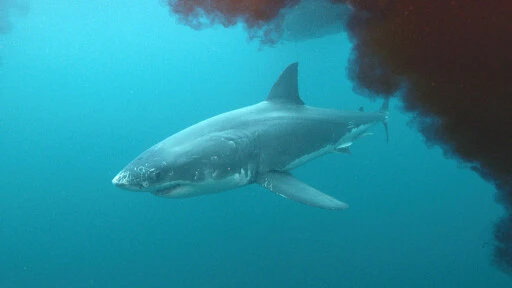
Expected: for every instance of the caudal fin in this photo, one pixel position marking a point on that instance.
(384, 109)
(385, 106)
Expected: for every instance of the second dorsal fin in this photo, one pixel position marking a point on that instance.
(286, 90)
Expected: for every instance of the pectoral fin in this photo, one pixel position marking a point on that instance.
(287, 186)
(345, 150)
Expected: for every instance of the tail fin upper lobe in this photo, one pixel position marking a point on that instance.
(384, 110)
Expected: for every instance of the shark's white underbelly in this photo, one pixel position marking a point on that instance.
(211, 185)
(308, 157)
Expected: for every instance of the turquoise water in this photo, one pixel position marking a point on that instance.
(85, 87)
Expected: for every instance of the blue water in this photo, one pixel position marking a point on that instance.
(85, 87)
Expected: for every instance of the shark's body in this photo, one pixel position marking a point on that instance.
(254, 144)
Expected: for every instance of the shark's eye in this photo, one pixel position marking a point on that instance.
(157, 175)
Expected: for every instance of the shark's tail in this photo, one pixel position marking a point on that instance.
(384, 110)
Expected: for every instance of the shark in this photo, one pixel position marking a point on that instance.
(258, 144)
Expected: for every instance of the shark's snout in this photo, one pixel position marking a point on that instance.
(124, 180)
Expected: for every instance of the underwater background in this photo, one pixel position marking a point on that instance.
(85, 86)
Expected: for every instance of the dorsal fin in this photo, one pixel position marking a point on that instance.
(286, 89)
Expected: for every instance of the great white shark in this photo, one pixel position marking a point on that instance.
(255, 144)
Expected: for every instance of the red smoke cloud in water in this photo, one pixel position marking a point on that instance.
(454, 61)
(256, 15)
(251, 12)
(451, 60)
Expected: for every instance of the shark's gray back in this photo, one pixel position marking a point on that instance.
(279, 133)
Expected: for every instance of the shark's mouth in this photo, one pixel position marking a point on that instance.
(167, 190)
